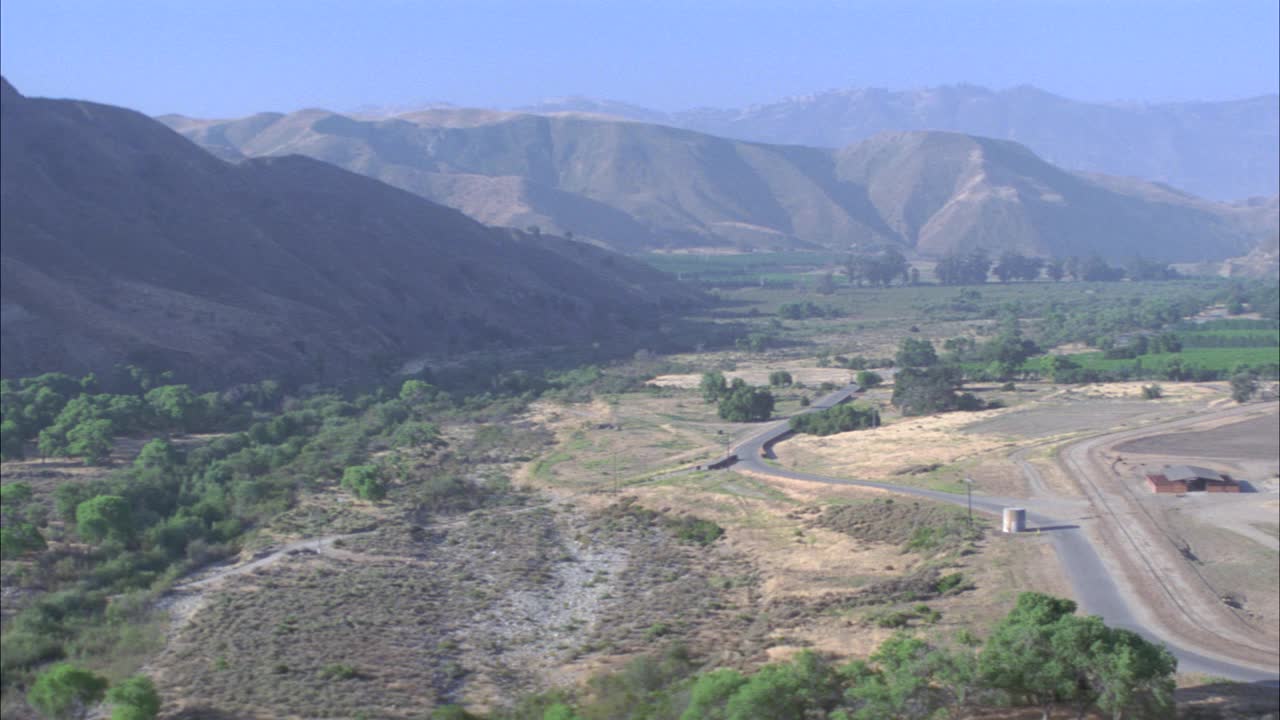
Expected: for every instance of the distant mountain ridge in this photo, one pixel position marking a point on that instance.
(123, 242)
(638, 186)
(1225, 150)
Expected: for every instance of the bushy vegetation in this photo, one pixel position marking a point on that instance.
(806, 309)
(1040, 655)
(841, 418)
(106, 547)
(737, 401)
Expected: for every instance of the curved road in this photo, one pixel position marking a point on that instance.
(1094, 588)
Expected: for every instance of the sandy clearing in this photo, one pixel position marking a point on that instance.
(800, 372)
(877, 453)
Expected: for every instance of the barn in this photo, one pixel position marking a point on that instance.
(1191, 478)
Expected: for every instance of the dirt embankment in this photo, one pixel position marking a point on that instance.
(480, 609)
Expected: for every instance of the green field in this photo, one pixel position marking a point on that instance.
(1218, 359)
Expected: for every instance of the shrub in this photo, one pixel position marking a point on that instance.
(339, 671)
(134, 698)
(950, 583)
(696, 530)
(65, 691)
(365, 482)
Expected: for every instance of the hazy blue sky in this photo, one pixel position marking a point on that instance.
(228, 57)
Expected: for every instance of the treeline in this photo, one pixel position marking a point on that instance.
(71, 417)
(807, 309)
(1064, 370)
(976, 266)
(1040, 655)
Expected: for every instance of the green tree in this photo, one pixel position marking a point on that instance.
(1058, 368)
(1008, 351)
(365, 482)
(416, 391)
(11, 441)
(134, 698)
(922, 391)
(711, 692)
(1019, 657)
(908, 677)
(1134, 677)
(803, 688)
(104, 517)
(19, 538)
(1055, 270)
(1043, 654)
(779, 378)
(1243, 385)
(916, 352)
(422, 436)
(66, 691)
(90, 440)
(13, 496)
(176, 406)
(867, 379)
(712, 386)
(744, 403)
(157, 454)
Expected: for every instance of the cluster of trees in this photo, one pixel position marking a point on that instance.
(1040, 655)
(856, 362)
(1243, 386)
(963, 268)
(1016, 266)
(70, 417)
(737, 401)
(879, 267)
(1064, 370)
(807, 309)
(841, 418)
(924, 385)
(1003, 356)
(780, 378)
(973, 267)
(68, 691)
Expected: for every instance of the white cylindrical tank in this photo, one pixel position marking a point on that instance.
(1015, 520)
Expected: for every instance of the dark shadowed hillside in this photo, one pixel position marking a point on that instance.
(1222, 150)
(636, 186)
(124, 242)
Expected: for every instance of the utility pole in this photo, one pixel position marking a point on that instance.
(968, 485)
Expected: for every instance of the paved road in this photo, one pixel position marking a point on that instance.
(1093, 586)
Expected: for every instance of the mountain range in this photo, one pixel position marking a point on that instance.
(638, 186)
(126, 243)
(1225, 150)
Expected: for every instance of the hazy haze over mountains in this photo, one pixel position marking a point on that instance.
(637, 186)
(124, 242)
(1226, 150)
